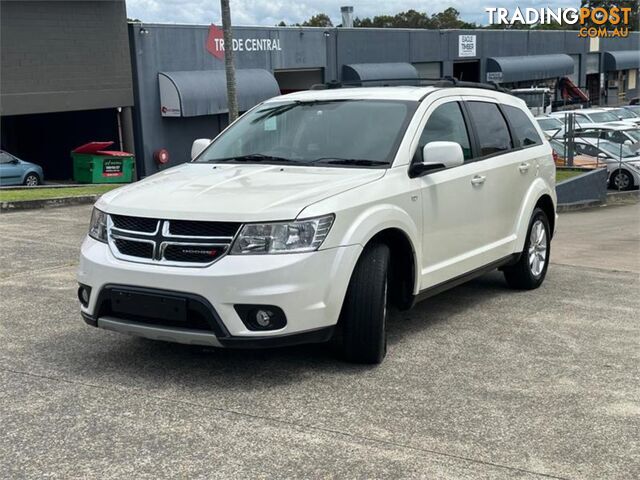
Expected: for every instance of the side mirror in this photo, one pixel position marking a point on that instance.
(198, 146)
(438, 156)
(602, 155)
(628, 142)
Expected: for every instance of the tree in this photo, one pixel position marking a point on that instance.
(450, 18)
(230, 70)
(318, 20)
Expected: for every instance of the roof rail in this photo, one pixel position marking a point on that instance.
(440, 82)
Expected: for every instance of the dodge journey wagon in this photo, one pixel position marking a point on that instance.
(314, 211)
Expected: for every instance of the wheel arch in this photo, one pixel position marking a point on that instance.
(545, 203)
(539, 195)
(403, 276)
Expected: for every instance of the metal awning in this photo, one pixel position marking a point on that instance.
(372, 74)
(621, 60)
(204, 92)
(530, 67)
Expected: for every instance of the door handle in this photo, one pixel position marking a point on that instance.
(478, 179)
(523, 167)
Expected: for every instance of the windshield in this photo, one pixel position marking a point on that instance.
(623, 113)
(635, 134)
(602, 117)
(360, 133)
(616, 149)
(550, 123)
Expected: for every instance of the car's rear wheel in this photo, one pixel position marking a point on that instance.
(532, 265)
(31, 180)
(364, 312)
(621, 180)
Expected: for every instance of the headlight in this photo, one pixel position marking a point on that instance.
(98, 226)
(282, 237)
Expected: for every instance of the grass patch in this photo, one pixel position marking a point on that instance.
(44, 193)
(562, 175)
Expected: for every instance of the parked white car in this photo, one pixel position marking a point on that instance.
(311, 213)
(551, 126)
(587, 116)
(623, 163)
(614, 132)
(624, 115)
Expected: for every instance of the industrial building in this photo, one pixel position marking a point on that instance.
(179, 77)
(71, 73)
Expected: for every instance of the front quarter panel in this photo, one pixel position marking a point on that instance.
(389, 203)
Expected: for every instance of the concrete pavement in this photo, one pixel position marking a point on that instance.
(479, 382)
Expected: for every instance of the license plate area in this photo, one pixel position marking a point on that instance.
(149, 305)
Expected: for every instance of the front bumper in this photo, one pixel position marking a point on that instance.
(308, 287)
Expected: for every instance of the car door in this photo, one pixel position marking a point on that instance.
(10, 169)
(452, 199)
(508, 176)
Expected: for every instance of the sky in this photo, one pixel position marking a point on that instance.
(271, 12)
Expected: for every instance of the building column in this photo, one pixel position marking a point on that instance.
(126, 119)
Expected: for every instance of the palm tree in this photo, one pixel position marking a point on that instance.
(232, 99)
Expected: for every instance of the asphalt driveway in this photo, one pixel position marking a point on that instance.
(480, 382)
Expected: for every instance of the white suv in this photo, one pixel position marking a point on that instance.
(315, 210)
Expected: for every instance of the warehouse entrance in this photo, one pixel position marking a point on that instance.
(468, 71)
(48, 138)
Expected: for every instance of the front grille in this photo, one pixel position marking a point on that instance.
(135, 224)
(173, 242)
(134, 248)
(191, 253)
(202, 229)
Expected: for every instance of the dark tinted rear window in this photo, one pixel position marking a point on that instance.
(522, 127)
(491, 127)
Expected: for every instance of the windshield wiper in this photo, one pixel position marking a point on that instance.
(350, 161)
(255, 158)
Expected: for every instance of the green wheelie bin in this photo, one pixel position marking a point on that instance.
(93, 164)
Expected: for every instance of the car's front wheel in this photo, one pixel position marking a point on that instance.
(621, 180)
(364, 312)
(532, 265)
(31, 180)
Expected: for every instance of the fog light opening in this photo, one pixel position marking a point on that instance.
(261, 317)
(84, 295)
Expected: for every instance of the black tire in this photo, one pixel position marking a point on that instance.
(32, 179)
(364, 311)
(621, 177)
(522, 275)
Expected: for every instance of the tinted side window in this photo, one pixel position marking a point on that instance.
(5, 158)
(491, 127)
(446, 124)
(523, 129)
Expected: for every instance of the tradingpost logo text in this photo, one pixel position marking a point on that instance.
(590, 22)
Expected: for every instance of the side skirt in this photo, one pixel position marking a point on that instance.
(465, 277)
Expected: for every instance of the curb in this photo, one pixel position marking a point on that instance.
(47, 203)
(613, 198)
(571, 207)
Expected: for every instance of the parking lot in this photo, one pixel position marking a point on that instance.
(479, 382)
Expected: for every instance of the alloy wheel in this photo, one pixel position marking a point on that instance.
(537, 248)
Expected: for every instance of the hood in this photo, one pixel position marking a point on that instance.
(231, 192)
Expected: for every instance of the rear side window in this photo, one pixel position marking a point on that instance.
(523, 129)
(446, 124)
(491, 127)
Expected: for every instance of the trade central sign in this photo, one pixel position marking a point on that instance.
(215, 43)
